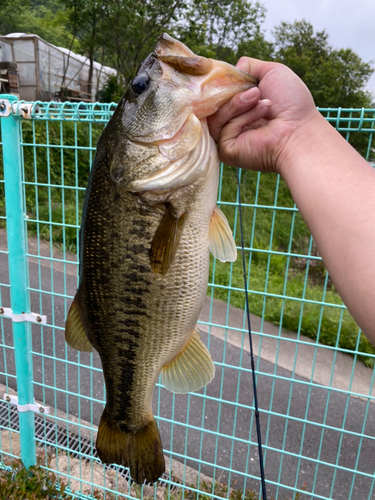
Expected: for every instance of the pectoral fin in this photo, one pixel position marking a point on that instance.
(75, 334)
(191, 369)
(221, 242)
(165, 243)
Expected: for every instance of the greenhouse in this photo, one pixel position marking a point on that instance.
(47, 72)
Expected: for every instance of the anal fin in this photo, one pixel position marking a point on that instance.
(165, 243)
(75, 334)
(221, 242)
(191, 369)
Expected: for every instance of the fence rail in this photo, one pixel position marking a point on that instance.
(315, 370)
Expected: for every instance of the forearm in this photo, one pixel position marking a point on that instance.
(334, 189)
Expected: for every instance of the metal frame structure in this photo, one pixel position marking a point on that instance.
(316, 395)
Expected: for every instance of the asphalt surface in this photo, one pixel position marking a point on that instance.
(218, 431)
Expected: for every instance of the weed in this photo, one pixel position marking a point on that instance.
(218, 490)
(39, 483)
(35, 483)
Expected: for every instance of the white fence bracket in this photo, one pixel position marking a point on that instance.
(35, 407)
(6, 312)
(23, 109)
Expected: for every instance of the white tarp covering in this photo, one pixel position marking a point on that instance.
(56, 68)
(24, 50)
(5, 52)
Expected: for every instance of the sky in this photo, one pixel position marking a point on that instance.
(349, 24)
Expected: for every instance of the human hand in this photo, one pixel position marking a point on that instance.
(258, 128)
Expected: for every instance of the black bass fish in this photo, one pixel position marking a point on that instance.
(148, 224)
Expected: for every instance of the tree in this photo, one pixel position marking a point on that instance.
(86, 20)
(214, 28)
(121, 33)
(9, 14)
(257, 47)
(42, 17)
(132, 28)
(336, 78)
(217, 28)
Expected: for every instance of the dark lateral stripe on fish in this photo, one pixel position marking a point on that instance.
(119, 390)
(134, 266)
(141, 222)
(129, 331)
(137, 291)
(145, 228)
(130, 322)
(127, 342)
(134, 312)
(133, 301)
(135, 277)
(138, 248)
(115, 235)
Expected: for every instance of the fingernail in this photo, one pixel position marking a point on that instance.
(266, 102)
(249, 95)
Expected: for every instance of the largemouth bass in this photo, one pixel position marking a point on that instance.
(148, 224)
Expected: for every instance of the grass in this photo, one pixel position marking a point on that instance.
(218, 489)
(35, 483)
(288, 282)
(39, 483)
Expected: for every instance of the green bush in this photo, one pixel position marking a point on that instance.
(35, 483)
(56, 176)
(113, 89)
(221, 490)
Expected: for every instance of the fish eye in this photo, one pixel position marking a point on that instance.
(140, 84)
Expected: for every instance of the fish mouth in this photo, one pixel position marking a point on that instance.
(212, 82)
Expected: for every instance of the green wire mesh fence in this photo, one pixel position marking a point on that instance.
(315, 370)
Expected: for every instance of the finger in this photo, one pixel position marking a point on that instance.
(235, 126)
(255, 67)
(228, 139)
(238, 105)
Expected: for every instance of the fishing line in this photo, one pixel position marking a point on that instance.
(257, 420)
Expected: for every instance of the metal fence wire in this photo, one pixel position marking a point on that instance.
(314, 368)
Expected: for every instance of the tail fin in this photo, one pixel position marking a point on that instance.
(141, 451)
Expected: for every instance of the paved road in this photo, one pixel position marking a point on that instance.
(212, 421)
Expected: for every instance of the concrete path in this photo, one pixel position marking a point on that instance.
(301, 419)
(316, 362)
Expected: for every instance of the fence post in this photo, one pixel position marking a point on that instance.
(10, 130)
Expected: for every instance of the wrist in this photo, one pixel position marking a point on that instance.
(306, 142)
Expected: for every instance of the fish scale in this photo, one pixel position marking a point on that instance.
(148, 224)
(173, 309)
